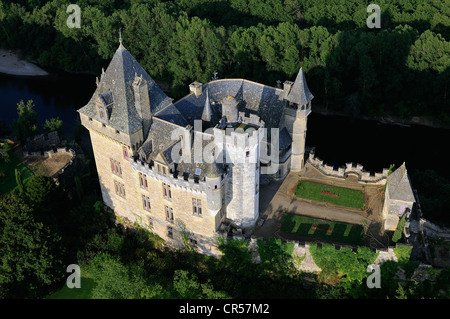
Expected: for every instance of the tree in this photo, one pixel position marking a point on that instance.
(399, 230)
(186, 286)
(54, 124)
(41, 190)
(26, 124)
(19, 181)
(30, 252)
(115, 280)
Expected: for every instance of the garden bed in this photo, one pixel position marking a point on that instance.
(330, 194)
(322, 229)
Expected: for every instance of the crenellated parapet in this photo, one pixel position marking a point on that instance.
(349, 168)
(252, 119)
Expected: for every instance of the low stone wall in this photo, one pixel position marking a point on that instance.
(433, 230)
(61, 150)
(343, 172)
(301, 252)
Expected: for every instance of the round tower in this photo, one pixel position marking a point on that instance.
(230, 109)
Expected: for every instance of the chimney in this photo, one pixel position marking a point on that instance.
(142, 101)
(287, 85)
(196, 88)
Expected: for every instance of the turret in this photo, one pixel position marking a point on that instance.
(299, 97)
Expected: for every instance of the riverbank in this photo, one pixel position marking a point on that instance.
(427, 121)
(11, 64)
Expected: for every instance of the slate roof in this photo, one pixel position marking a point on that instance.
(206, 169)
(265, 101)
(299, 92)
(399, 185)
(118, 79)
(159, 138)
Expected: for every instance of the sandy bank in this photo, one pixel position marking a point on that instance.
(11, 64)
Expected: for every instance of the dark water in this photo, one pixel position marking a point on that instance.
(59, 94)
(337, 140)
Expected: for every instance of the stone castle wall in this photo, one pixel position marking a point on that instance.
(343, 172)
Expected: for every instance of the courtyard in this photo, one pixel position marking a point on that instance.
(280, 202)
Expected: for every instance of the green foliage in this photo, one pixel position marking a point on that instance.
(275, 255)
(235, 254)
(344, 266)
(8, 182)
(114, 280)
(19, 181)
(399, 230)
(41, 190)
(350, 68)
(186, 286)
(54, 124)
(31, 252)
(402, 252)
(26, 124)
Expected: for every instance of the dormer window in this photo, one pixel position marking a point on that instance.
(104, 105)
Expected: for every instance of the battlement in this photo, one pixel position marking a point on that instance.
(350, 168)
(252, 119)
(190, 184)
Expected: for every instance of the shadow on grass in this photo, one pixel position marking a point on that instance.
(87, 284)
(303, 226)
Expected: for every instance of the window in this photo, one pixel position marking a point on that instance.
(150, 222)
(193, 242)
(115, 167)
(143, 181)
(169, 232)
(125, 152)
(146, 202)
(119, 188)
(197, 207)
(167, 193)
(169, 214)
(162, 169)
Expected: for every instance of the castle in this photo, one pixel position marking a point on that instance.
(188, 167)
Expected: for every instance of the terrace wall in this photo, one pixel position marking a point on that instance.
(342, 172)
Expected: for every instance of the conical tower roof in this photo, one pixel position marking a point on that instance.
(299, 92)
(117, 80)
(207, 112)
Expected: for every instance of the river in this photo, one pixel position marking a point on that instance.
(337, 140)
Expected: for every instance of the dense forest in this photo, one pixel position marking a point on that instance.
(401, 69)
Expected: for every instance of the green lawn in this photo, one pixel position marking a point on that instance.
(8, 182)
(304, 226)
(87, 284)
(347, 197)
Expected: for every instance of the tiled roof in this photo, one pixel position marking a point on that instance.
(265, 101)
(299, 92)
(116, 86)
(399, 185)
